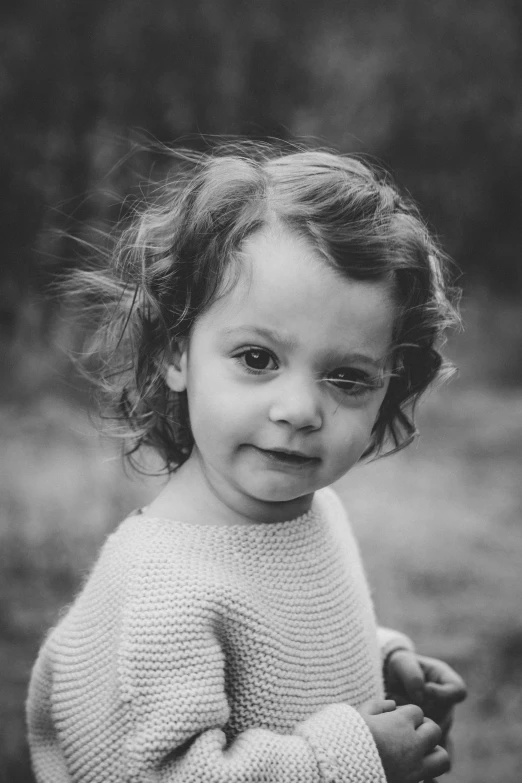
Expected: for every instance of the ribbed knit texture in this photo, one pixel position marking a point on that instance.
(213, 654)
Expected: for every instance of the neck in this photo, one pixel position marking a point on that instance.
(199, 497)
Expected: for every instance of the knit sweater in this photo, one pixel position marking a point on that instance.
(214, 654)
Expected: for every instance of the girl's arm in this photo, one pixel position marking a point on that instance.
(132, 687)
(178, 715)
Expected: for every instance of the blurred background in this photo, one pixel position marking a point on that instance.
(432, 91)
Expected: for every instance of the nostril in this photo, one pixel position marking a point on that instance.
(299, 411)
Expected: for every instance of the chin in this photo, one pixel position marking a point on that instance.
(279, 494)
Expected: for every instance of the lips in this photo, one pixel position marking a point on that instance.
(288, 457)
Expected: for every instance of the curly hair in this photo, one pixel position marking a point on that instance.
(169, 265)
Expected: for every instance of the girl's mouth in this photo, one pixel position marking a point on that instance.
(289, 458)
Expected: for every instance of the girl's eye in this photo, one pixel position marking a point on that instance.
(353, 382)
(257, 359)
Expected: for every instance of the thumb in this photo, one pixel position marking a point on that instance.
(377, 706)
(411, 675)
(446, 693)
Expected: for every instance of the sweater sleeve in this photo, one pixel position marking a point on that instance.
(333, 746)
(390, 640)
(173, 678)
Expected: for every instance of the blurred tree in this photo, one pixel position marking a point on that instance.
(434, 90)
(431, 89)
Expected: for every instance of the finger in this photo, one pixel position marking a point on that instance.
(442, 673)
(377, 706)
(409, 672)
(413, 713)
(445, 723)
(436, 763)
(447, 744)
(430, 734)
(448, 692)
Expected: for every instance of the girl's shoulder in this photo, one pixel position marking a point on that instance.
(330, 505)
(146, 542)
(147, 568)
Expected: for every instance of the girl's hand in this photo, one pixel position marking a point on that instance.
(407, 742)
(428, 682)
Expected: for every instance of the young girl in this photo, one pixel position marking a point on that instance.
(275, 318)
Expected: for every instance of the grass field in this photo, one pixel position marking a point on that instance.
(439, 526)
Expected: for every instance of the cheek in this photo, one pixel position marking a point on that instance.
(206, 413)
(351, 429)
(217, 412)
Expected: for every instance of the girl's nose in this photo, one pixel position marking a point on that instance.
(298, 404)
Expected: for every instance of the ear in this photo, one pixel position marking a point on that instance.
(176, 370)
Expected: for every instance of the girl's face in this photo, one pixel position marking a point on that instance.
(285, 375)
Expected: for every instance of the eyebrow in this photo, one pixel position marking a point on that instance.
(288, 343)
(262, 331)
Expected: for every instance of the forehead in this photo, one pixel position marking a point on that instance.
(285, 285)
